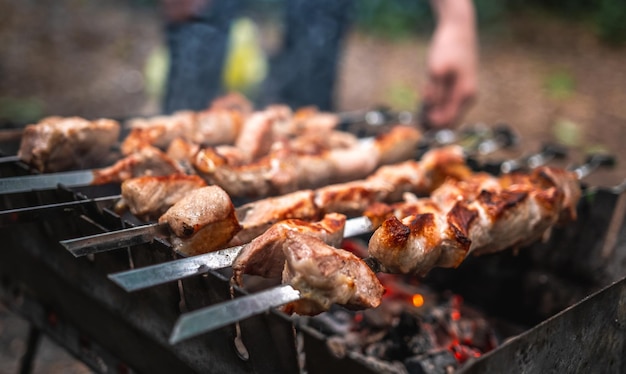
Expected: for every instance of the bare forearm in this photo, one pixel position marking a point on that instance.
(454, 12)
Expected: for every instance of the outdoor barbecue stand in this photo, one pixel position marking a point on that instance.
(569, 292)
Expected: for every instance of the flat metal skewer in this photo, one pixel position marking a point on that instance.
(34, 213)
(8, 159)
(115, 239)
(79, 178)
(154, 275)
(208, 319)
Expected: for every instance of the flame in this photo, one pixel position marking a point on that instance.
(455, 315)
(418, 300)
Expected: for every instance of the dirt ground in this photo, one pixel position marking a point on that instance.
(550, 80)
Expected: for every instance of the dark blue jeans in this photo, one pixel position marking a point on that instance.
(302, 73)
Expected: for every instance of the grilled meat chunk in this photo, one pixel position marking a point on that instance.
(390, 182)
(202, 221)
(325, 275)
(147, 161)
(258, 216)
(283, 171)
(304, 254)
(496, 219)
(58, 144)
(158, 131)
(148, 197)
(264, 255)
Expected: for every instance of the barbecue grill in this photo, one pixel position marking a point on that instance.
(566, 297)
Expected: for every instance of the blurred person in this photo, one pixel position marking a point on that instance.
(304, 71)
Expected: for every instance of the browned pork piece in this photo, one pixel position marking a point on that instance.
(264, 255)
(325, 275)
(147, 161)
(209, 127)
(259, 215)
(59, 144)
(388, 183)
(283, 172)
(158, 131)
(233, 101)
(310, 120)
(148, 197)
(304, 255)
(202, 221)
(514, 216)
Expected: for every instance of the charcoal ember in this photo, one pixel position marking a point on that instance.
(434, 362)
(400, 335)
(423, 342)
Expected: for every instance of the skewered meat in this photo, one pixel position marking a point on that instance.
(256, 217)
(148, 197)
(158, 131)
(310, 119)
(233, 101)
(58, 144)
(283, 172)
(390, 182)
(305, 255)
(518, 215)
(147, 161)
(211, 127)
(202, 221)
(325, 275)
(264, 255)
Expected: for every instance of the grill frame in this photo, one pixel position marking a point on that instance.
(39, 280)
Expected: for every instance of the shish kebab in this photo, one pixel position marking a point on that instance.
(177, 184)
(162, 273)
(316, 275)
(164, 191)
(60, 144)
(305, 204)
(388, 183)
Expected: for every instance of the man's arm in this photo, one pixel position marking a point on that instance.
(451, 63)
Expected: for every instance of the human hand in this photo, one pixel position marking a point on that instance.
(452, 73)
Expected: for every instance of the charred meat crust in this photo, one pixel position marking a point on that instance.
(497, 204)
(460, 219)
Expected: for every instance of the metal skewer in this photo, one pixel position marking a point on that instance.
(7, 159)
(78, 178)
(107, 241)
(29, 214)
(222, 314)
(149, 276)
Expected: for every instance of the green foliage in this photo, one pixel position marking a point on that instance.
(560, 84)
(397, 19)
(610, 21)
(393, 19)
(402, 18)
(607, 16)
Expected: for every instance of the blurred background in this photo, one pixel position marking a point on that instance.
(554, 70)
